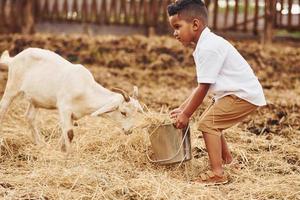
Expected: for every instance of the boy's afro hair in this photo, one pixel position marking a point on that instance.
(179, 5)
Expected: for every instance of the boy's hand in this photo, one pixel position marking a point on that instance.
(174, 113)
(181, 121)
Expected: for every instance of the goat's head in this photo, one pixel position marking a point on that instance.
(123, 110)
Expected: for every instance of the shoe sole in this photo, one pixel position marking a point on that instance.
(215, 184)
(212, 184)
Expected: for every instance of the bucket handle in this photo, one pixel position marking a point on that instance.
(163, 160)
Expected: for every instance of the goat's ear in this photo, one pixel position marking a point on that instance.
(105, 109)
(135, 92)
(4, 55)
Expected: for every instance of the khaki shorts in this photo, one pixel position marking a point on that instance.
(224, 113)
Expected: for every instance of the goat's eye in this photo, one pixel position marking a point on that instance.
(124, 114)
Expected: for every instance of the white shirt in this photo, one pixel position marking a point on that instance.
(221, 65)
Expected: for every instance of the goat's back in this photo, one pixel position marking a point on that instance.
(45, 76)
(47, 66)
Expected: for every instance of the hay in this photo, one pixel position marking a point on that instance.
(107, 164)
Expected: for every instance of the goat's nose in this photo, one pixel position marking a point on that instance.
(127, 132)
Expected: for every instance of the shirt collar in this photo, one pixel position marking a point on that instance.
(203, 35)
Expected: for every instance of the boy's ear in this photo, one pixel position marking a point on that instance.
(196, 24)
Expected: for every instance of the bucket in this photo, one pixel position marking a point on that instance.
(170, 145)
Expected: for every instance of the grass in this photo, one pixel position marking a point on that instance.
(285, 33)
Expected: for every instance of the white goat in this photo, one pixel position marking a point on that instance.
(49, 81)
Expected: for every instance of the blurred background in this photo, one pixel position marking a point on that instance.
(243, 17)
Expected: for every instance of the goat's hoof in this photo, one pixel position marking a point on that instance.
(75, 124)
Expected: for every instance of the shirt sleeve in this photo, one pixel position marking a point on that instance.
(208, 65)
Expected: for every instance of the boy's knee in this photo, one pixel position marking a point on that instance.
(208, 128)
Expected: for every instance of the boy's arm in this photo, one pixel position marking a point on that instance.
(181, 107)
(194, 101)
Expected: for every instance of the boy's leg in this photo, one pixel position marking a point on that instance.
(226, 155)
(218, 152)
(214, 148)
(223, 114)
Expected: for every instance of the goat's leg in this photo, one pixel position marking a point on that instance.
(5, 102)
(30, 115)
(67, 129)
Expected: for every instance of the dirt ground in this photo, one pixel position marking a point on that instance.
(106, 164)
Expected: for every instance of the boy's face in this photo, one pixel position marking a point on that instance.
(184, 31)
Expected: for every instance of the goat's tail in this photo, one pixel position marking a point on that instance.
(5, 60)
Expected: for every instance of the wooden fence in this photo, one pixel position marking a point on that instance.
(237, 15)
(109, 12)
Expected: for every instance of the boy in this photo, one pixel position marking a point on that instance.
(221, 70)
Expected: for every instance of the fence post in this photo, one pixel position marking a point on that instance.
(133, 14)
(290, 4)
(113, 15)
(255, 24)
(2, 16)
(226, 14)
(146, 13)
(123, 14)
(36, 10)
(65, 10)
(281, 9)
(165, 16)
(236, 13)
(84, 12)
(278, 16)
(94, 12)
(28, 18)
(45, 10)
(103, 18)
(75, 13)
(215, 20)
(269, 21)
(55, 12)
(14, 22)
(154, 12)
(245, 28)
